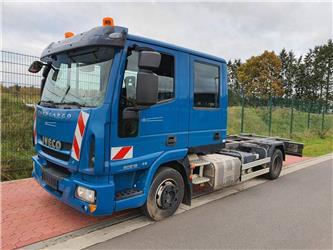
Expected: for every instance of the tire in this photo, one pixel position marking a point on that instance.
(165, 194)
(275, 165)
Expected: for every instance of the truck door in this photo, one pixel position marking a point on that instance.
(208, 111)
(137, 142)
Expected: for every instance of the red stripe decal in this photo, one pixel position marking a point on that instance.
(122, 152)
(80, 123)
(76, 148)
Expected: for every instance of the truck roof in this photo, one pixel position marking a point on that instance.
(113, 36)
(174, 47)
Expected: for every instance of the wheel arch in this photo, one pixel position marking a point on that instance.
(277, 145)
(281, 147)
(177, 160)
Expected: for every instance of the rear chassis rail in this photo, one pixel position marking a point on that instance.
(290, 147)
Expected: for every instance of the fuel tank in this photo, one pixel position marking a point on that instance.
(223, 171)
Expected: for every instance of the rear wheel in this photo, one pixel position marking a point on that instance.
(165, 194)
(275, 165)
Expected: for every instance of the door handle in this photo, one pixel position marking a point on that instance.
(171, 141)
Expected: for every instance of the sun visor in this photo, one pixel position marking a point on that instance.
(99, 36)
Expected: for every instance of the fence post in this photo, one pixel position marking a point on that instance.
(309, 110)
(242, 115)
(291, 117)
(270, 116)
(327, 91)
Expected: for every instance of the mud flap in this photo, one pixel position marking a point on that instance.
(294, 148)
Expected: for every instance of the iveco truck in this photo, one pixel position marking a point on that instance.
(126, 122)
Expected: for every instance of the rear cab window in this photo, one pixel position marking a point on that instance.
(206, 85)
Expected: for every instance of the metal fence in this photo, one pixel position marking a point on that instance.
(284, 117)
(20, 92)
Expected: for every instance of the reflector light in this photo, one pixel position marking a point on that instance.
(69, 34)
(92, 208)
(108, 21)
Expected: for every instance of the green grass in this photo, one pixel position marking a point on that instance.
(315, 145)
(17, 119)
(16, 137)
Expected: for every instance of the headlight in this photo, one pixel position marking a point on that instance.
(85, 194)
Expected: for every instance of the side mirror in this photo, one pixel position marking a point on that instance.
(147, 80)
(146, 88)
(35, 67)
(149, 60)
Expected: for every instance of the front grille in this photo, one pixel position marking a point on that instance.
(55, 154)
(66, 146)
(49, 179)
(53, 173)
(57, 170)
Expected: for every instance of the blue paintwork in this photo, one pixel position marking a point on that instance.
(177, 117)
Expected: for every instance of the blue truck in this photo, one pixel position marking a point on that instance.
(127, 122)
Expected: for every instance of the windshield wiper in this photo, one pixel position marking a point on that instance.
(74, 103)
(66, 92)
(50, 104)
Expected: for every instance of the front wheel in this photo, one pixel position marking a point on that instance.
(165, 194)
(275, 165)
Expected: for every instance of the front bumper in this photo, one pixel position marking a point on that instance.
(66, 191)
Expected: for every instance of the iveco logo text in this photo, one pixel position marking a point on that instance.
(55, 115)
(51, 143)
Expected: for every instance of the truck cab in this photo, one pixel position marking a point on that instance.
(125, 122)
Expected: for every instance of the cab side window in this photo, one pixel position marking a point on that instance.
(165, 75)
(206, 85)
(166, 88)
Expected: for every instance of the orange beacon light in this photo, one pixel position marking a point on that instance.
(69, 34)
(108, 21)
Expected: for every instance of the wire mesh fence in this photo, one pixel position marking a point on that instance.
(20, 92)
(279, 116)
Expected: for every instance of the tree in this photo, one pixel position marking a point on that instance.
(260, 76)
(288, 71)
(232, 75)
(314, 74)
(327, 51)
(234, 95)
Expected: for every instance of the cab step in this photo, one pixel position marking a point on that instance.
(197, 166)
(196, 179)
(127, 193)
(198, 163)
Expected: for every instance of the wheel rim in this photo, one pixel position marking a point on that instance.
(167, 194)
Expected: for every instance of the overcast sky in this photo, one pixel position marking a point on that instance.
(225, 29)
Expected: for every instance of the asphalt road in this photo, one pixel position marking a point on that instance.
(294, 211)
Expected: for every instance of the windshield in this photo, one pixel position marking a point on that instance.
(78, 78)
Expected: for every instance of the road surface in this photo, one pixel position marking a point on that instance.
(294, 211)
